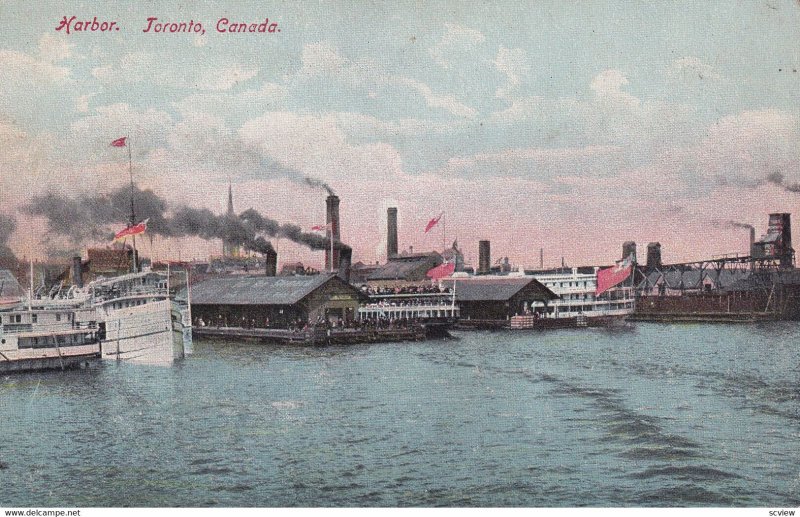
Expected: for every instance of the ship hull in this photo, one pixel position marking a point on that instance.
(145, 334)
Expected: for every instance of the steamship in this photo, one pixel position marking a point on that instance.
(142, 323)
(137, 318)
(577, 305)
(47, 336)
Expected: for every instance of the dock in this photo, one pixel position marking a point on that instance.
(703, 317)
(315, 336)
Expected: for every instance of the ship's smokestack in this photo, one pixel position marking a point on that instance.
(391, 235)
(332, 218)
(271, 258)
(752, 241)
(345, 259)
(628, 249)
(77, 272)
(484, 258)
(654, 256)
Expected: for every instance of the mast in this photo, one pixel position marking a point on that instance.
(30, 292)
(134, 265)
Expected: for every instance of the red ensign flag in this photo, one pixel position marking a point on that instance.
(119, 142)
(433, 222)
(615, 275)
(442, 271)
(136, 229)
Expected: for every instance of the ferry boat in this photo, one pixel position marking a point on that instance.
(47, 336)
(577, 305)
(433, 307)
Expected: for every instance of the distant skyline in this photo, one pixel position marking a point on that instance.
(568, 126)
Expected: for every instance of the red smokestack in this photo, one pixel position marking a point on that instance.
(332, 218)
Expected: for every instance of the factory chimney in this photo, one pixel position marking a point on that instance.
(484, 258)
(332, 218)
(391, 237)
(271, 258)
(752, 241)
(345, 259)
(77, 272)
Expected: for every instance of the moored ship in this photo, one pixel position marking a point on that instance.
(579, 303)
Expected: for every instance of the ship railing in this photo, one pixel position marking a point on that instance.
(20, 328)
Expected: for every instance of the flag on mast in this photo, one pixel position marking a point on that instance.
(132, 230)
(433, 222)
(119, 142)
(320, 227)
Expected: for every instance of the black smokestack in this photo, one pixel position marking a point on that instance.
(271, 258)
(77, 272)
(332, 218)
(345, 259)
(484, 258)
(628, 249)
(752, 241)
(391, 232)
(654, 256)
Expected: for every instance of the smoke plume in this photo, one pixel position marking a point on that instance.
(7, 226)
(88, 218)
(777, 178)
(319, 184)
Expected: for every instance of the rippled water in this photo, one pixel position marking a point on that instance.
(656, 415)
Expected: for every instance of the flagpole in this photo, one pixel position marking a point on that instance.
(444, 232)
(133, 212)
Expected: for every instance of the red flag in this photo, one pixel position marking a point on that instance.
(320, 227)
(615, 275)
(441, 271)
(119, 142)
(136, 229)
(433, 222)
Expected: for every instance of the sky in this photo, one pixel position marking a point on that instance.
(564, 126)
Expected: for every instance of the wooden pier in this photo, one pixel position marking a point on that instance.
(316, 336)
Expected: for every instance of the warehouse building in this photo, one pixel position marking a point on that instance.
(274, 301)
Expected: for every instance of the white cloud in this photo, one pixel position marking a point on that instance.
(456, 41)
(513, 63)
(435, 100)
(608, 84)
(136, 67)
(691, 68)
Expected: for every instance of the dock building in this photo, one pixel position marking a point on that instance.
(274, 301)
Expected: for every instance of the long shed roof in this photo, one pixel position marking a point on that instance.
(260, 290)
(496, 289)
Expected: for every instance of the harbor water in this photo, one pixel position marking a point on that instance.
(651, 415)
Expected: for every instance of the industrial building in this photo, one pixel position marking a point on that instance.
(270, 301)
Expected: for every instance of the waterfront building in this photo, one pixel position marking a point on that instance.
(274, 301)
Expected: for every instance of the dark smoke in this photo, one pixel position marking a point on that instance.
(319, 184)
(7, 226)
(88, 218)
(292, 232)
(732, 224)
(777, 178)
